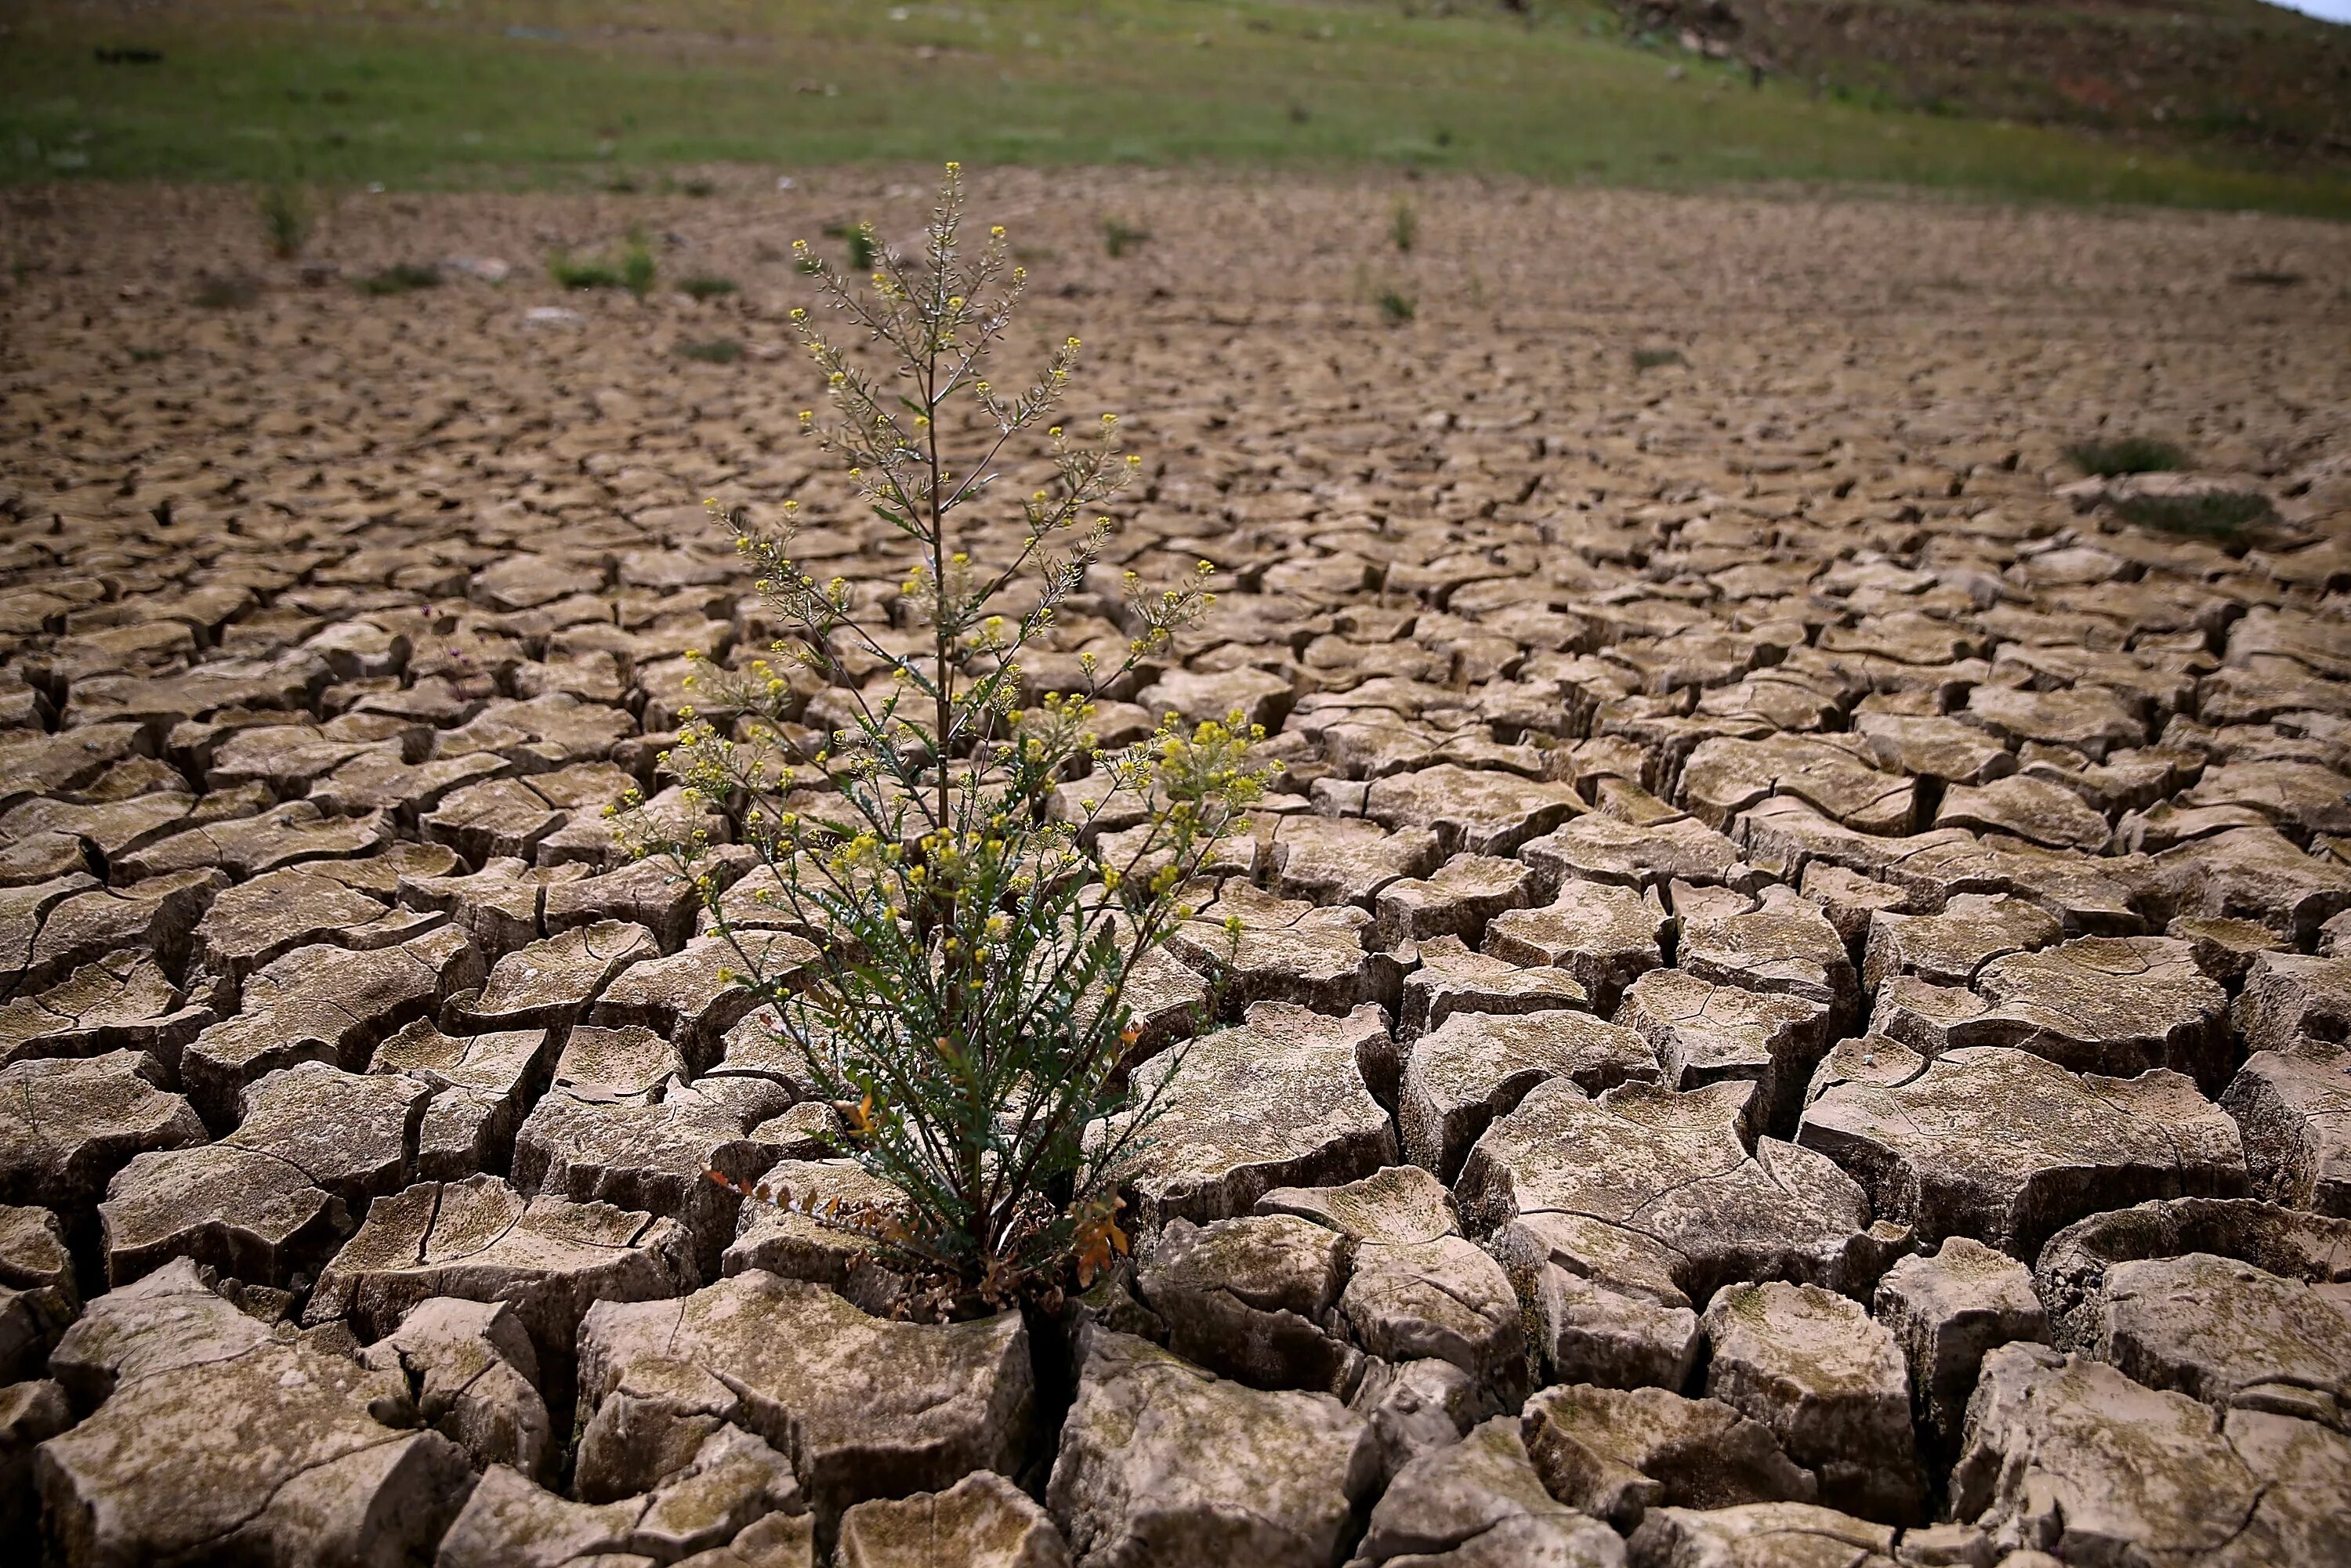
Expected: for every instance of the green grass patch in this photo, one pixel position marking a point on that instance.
(635, 270)
(1656, 358)
(2127, 455)
(285, 219)
(581, 93)
(705, 287)
(1397, 307)
(712, 351)
(863, 249)
(1404, 224)
(1119, 237)
(570, 272)
(401, 277)
(2226, 516)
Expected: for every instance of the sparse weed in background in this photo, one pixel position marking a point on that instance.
(858, 238)
(228, 291)
(592, 273)
(286, 217)
(636, 270)
(714, 351)
(145, 356)
(1656, 358)
(1404, 224)
(637, 266)
(1119, 237)
(2127, 455)
(401, 277)
(945, 955)
(1397, 307)
(2223, 515)
(705, 287)
(698, 187)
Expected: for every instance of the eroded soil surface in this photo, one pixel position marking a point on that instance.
(1794, 993)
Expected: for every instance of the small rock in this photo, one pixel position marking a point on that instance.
(477, 1380)
(1476, 1066)
(1761, 1534)
(2071, 1455)
(1156, 1455)
(1413, 1409)
(1829, 1383)
(67, 1126)
(1255, 1299)
(865, 1407)
(1280, 1101)
(1948, 1311)
(1461, 1494)
(547, 1259)
(2006, 1148)
(1617, 1453)
(2289, 1109)
(981, 1522)
(1706, 1034)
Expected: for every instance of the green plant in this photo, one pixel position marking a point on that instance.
(592, 273)
(1119, 237)
(145, 356)
(705, 287)
(637, 265)
(2223, 514)
(1404, 224)
(286, 218)
(401, 277)
(699, 187)
(1396, 307)
(715, 351)
(965, 1006)
(862, 248)
(2128, 454)
(1653, 359)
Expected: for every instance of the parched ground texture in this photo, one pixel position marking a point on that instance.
(1793, 994)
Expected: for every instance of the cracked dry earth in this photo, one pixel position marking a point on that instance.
(1793, 998)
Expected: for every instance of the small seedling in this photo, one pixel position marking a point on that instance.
(1653, 359)
(2129, 454)
(145, 356)
(716, 351)
(593, 273)
(1404, 224)
(2225, 515)
(705, 287)
(1119, 237)
(286, 218)
(863, 249)
(401, 277)
(637, 268)
(1396, 308)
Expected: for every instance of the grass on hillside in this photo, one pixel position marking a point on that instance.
(2223, 514)
(2127, 455)
(519, 92)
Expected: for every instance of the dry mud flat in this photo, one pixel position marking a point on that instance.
(1794, 989)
